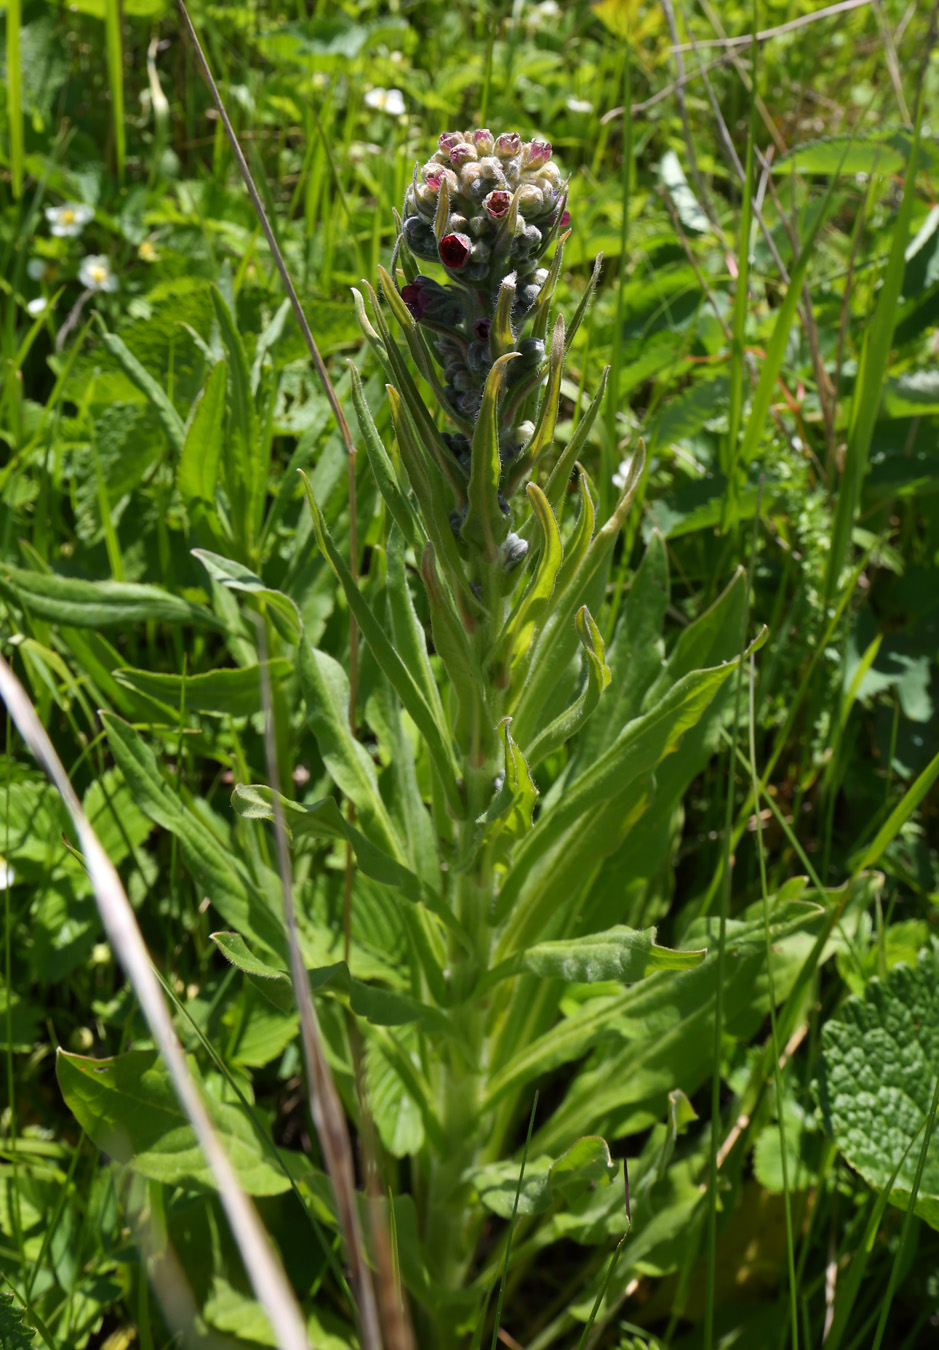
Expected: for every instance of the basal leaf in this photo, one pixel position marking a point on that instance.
(128, 1108)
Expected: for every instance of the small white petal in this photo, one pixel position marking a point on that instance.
(579, 105)
(36, 306)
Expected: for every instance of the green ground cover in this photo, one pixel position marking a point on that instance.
(678, 915)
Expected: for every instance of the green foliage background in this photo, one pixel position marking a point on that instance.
(790, 429)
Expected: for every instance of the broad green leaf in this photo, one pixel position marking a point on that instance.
(658, 1034)
(154, 393)
(129, 1110)
(588, 821)
(213, 866)
(283, 612)
(326, 694)
(569, 722)
(474, 720)
(197, 472)
(620, 954)
(846, 155)
(243, 453)
(530, 611)
(98, 604)
(324, 820)
(877, 1073)
(221, 693)
(382, 1007)
(586, 1165)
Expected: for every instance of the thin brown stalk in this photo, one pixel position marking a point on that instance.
(745, 39)
(325, 1105)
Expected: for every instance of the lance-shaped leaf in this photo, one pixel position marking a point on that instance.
(560, 475)
(128, 1108)
(433, 496)
(621, 954)
(510, 809)
(586, 1165)
(216, 871)
(197, 472)
(215, 693)
(243, 455)
(407, 630)
(442, 214)
(454, 650)
(543, 434)
(539, 314)
(436, 737)
(156, 396)
(501, 337)
(401, 375)
(98, 604)
(383, 471)
(235, 576)
(573, 718)
(575, 549)
(589, 820)
(382, 1007)
(416, 338)
(324, 820)
(585, 299)
(558, 640)
(486, 524)
(528, 616)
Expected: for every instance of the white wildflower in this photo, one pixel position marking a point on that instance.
(390, 101)
(36, 306)
(95, 273)
(579, 105)
(68, 221)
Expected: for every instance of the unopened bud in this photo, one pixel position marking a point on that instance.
(512, 550)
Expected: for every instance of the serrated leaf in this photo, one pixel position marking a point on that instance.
(877, 1073)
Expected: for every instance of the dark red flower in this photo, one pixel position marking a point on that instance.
(565, 219)
(481, 329)
(414, 298)
(455, 250)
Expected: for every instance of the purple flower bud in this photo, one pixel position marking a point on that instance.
(483, 140)
(536, 154)
(461, 154)
(420, 238)
(448, 139)
(455, 250)
(508, 144)
(412, 297)
(565, 219)
(497, 203)
(481, 329)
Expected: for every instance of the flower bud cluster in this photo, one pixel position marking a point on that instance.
(503, 202)
(505, 198)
